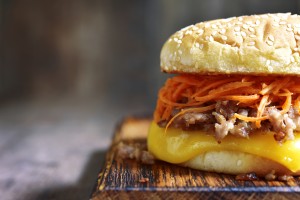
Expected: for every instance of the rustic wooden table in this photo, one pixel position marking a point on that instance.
(55, 149)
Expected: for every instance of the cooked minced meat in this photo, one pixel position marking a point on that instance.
(222, 122)
(222, 127)
(226, 108)
(282, 124)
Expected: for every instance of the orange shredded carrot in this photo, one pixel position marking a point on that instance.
(249, 119)
(241, 98)
(260, 109)
(191, 93)
(287, 104)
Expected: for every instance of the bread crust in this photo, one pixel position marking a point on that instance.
(230, 162)
(266, 44)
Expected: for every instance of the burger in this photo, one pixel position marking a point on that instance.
(233, 103)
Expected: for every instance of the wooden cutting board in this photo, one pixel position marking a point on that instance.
(130, 179)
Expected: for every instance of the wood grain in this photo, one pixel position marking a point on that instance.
(129, 179)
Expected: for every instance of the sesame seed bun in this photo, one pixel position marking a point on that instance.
(230, 162)
(266, 44)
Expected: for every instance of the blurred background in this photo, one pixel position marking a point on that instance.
(71, 69)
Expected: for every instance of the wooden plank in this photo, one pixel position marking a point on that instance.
(129, 179)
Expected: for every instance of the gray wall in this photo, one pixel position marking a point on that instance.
(100, 49)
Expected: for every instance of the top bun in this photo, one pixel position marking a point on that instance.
(267, 44)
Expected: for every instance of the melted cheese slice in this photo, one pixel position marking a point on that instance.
(178, 146)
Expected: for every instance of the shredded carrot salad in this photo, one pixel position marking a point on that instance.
(190, 93)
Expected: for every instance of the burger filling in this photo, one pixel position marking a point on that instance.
(236, 105)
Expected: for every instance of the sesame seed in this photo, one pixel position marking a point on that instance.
(252, 36)
(170, 40)
(269, 42)
(257, 22)
(271, 37)
(239, 23)
(179, 41)
(207, 25)
(292, 59)
(249, 22)
(214, 33)
(296, 49)
(240, 19)
(222, 31)
(268, 62)
(297, 25)
(195, 28)
(179, 51)
(276, 19)
(289, 29)
(237, 29)
(229, 25)
(245, 26)
(289, 25)
(223, 37)
(214, 26)
(282, 23)
(270, 68)
(201, 46)
(252, 30)
(200, 31)
(211, 38)
(237, 33)
(275, 24)
(251, 43)
(235, 48)
(243, 34)
(175, 39)
(296, 54)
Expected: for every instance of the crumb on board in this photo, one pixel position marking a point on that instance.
(272, 176)
(135, 151)
(144, 180)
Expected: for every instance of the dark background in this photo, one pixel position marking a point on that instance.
(100, 49)
(70, 70)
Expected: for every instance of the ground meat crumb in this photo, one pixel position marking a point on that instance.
(285, 178)
(247, 177)
(135, 151)
(223, 127)
(144, 180)
(271, 176)
(147, 158)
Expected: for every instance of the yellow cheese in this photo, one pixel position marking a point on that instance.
(178, 146)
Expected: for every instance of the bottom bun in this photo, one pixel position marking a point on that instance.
(230, 162)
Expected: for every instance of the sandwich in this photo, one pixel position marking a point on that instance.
(233, 103)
